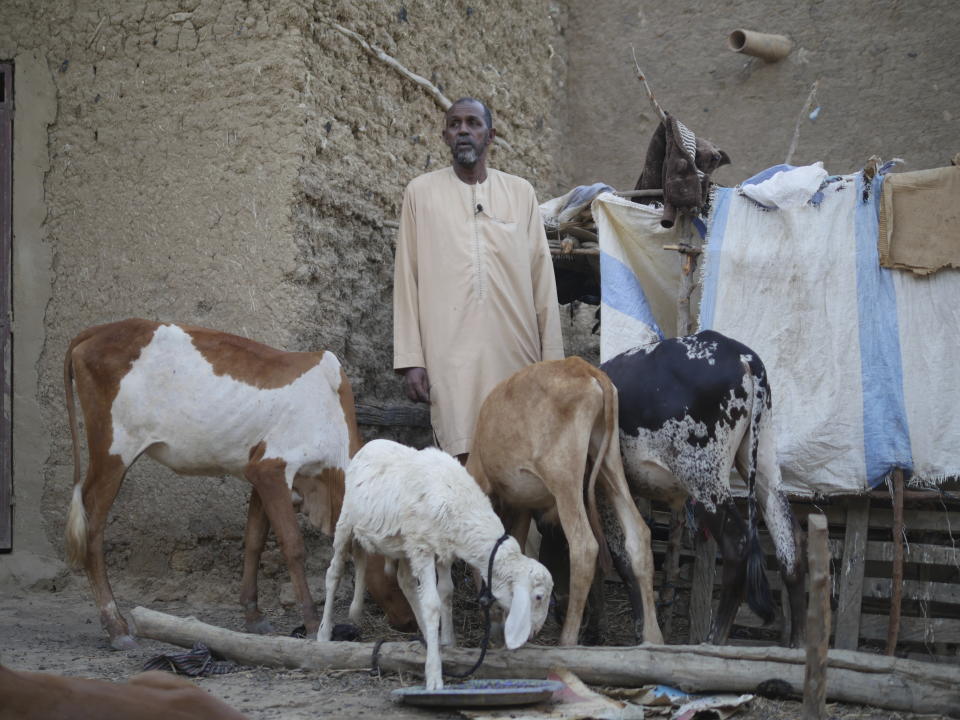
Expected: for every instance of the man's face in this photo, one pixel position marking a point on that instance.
(466, 133)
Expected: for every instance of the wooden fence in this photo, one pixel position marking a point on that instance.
(863, 571)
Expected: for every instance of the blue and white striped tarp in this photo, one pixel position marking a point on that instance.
(638, 278)
(862, 360)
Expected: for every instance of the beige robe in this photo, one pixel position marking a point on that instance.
(474, 296)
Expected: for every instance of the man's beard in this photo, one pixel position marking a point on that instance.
(466, 155)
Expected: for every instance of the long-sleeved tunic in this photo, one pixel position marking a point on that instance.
(474, 294)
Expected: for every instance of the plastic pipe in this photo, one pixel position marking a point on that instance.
(762, 45)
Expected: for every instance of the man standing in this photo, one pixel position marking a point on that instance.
(474, 297)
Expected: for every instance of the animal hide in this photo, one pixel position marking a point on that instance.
(680, 163)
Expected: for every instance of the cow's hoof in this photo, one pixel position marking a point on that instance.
(259, 627)
(124, 642)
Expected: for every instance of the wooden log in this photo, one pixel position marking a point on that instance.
(896, 588)
(393, 415)
(881, 681)
(818, 620)
(851, 576)
(578, 251)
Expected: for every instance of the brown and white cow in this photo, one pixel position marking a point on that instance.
(204, 402)
(536, 434)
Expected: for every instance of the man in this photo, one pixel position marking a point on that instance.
(474, 296)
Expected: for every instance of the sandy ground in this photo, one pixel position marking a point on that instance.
(59, 632)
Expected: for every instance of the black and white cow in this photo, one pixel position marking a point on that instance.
(691, 409)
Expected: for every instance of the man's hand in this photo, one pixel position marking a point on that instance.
(417, 384)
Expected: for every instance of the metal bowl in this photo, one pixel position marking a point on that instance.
(480, 693)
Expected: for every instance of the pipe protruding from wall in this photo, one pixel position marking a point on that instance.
(762, 45)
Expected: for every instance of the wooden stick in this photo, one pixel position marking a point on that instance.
(896, 589)
(857, 520)
(432, 90)
(688, 266)
(887, 682)
(576, 251)
(796, 130)
(393, 415)
(643, 78)
(581, 233)
(684, 248)
(639, 193)
(818, 620)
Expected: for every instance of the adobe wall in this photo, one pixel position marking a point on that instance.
(229, 164)
(886, 72)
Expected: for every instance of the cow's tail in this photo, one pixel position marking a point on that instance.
(76, 530)
(608, 436)
(759, 597)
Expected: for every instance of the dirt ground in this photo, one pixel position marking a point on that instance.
(58, 632)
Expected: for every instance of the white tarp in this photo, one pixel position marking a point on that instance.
(861, 359)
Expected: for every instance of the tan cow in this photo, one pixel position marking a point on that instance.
(203, 402)
(151, 695)
(536, 434)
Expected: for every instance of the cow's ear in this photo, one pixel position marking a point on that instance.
(517, 628)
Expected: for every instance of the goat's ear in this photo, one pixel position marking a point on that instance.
(517, 628)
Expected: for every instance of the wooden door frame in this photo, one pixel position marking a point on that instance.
(6, 306)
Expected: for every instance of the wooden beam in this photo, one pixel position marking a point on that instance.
(896, 587)
(576, 251)
(945, 521)
(701, 587)
(393, 415)
(671, 565)
(818, 620)
(885, 682)
(919, 553)
(654, 192)
(851, 574)
(922, 590)
(912, 629)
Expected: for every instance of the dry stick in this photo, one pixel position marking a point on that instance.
(442, 100)
(896, 582)
(655, 192)
(643, 78)
(818, 620)
(796, 129)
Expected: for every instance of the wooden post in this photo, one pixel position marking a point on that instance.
(896, 583)
(818, 620)
(701, 587)
(671, 572)
(851, 577)
(690, 255)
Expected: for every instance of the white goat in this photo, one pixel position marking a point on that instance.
(422, 509)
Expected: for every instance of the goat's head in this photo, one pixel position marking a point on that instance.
(522, 586)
